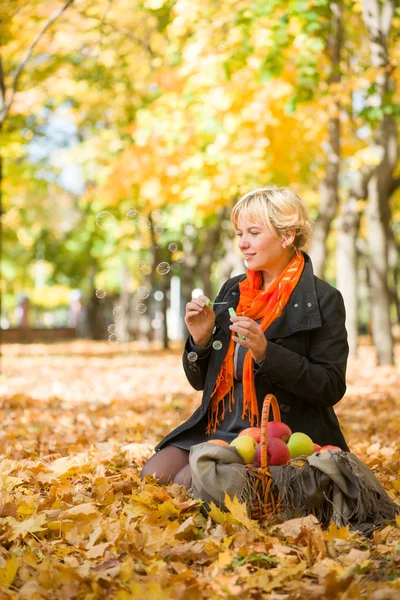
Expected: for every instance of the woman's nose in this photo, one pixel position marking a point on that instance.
(243, 243)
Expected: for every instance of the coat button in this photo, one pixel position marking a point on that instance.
(279, 341)
(234, 293)
(285, 408)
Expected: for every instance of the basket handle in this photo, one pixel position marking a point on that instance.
(269, 401)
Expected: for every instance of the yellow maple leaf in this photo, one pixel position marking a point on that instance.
(32, 525)
(334, 533)
(238, 511)
(9, 571)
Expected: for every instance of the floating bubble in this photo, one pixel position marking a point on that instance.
(163, 268)
(113, 339)
(184, 239)
(157, 214)
(143, 292)
(100, 294)
(175, 268)
(190, 231)
(159, 229)
(217, 345)
(158, 295)
(105, 219)
(172, 247)
(141, 308)
(111, 329)
(132, 213)
(192, 357)
(156, 323)
(118, 312)
(180, 257)
(145, 222)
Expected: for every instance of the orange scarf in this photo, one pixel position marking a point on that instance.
(256, 304)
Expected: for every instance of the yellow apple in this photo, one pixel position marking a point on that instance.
(300, 444)
(246, 446)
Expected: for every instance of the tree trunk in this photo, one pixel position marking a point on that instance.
(329, 198)
(213, 237)
(378, 19)
(394, 254)
(346, 253)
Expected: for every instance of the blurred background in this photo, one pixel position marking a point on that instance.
(130, 129)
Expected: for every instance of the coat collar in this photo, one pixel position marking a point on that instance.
(300, 313)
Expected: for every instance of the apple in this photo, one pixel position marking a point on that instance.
(218, 442)
(246, 446)
(328, 447)
(317, 447)
(300, 444)
(254, 432)
(277, 429)
(277, 450)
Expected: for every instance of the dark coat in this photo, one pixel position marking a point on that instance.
(305, 364)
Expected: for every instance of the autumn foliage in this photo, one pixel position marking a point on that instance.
(78, 421)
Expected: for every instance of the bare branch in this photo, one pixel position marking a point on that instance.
(6, 108)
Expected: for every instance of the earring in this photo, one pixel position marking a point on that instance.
(283, 245)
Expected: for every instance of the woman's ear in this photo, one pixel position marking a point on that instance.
(288, 238)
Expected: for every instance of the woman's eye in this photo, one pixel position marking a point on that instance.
(239, 235)
(255, 233)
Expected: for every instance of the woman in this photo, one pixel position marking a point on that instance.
(288, 339)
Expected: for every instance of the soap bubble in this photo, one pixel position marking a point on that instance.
(156, 323)
(132, 213)
(159, 229)
(143, 292)
(105, 219)
(157, 214)
(111, 328)
(142, 222)
(172, 247)
(101, 294)
(175, 268)
(184, 239)
(118, 312)
(141, 308)
(158, 295)
(180, 256)
(113, 339)
(192, 357)
(163, 268)
(190, 231)
(217, 345)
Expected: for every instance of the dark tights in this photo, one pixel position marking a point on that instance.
(169, 464)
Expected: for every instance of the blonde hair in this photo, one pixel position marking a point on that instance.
(277, 207)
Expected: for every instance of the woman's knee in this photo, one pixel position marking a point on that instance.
(165, 464)
(184, 477)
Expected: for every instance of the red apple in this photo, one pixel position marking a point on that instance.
(278, 453)
(317, 447)
(328, 447)
(254, 432)
(277, 429)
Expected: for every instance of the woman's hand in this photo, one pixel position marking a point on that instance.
(200, 320)
(255, 340)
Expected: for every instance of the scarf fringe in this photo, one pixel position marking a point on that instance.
(307, 490)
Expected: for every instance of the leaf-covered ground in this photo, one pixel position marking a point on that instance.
(79, 419)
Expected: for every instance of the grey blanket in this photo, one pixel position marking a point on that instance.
(334, 486)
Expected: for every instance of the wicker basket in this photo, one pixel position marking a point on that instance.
(265, 502)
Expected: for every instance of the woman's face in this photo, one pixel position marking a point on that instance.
(261, 247)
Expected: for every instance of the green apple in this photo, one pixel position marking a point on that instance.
(246, 446)
(300, 444)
